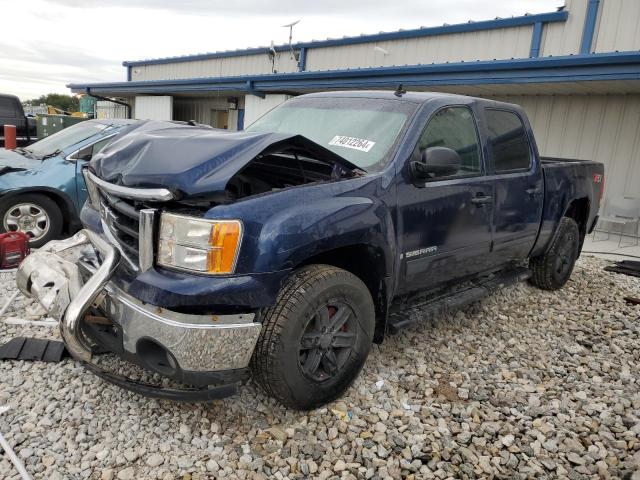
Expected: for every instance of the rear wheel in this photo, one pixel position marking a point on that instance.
(553, 269)
(34, 214)
(316, 338)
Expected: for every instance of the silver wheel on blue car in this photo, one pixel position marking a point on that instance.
(316, 338)
(34, 214)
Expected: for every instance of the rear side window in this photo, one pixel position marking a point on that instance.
(7, 108)
(508, 141)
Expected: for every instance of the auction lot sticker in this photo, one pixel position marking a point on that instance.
(351, 142)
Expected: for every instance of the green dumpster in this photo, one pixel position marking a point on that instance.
(68, 120)
(47, 124)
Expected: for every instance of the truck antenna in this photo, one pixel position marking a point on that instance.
(399, 91)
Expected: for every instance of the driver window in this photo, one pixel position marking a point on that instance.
(454, 128)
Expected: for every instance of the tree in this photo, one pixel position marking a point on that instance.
(69, 103)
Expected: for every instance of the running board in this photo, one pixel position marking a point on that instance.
(423, 310)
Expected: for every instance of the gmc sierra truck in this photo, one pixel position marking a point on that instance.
(285, 250)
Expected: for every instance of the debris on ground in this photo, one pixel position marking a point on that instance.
(626, 267)
(526, 383)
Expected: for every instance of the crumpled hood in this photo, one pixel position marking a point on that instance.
(193, 160)
(11, 159)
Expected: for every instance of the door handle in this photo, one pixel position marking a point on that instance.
(481, 199)
(533, 190)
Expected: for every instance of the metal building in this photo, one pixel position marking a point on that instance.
(576, 71)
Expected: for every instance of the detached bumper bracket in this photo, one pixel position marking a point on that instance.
(164, 393)
(33, 349)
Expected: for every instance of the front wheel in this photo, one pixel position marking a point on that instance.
(553, 269)
(316, 338)
(34, 214)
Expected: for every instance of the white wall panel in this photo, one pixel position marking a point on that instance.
(106, 109)
(501, 43)
(255, 107)
(605, 128)
(563, 38)
(619, 26)
(154, 108)
(216, 67)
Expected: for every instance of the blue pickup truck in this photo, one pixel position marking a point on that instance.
(287, 249)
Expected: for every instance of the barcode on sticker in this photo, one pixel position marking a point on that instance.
(351, 142)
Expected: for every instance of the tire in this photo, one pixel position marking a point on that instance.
(291, 342)
(553, 269)
(33, 213)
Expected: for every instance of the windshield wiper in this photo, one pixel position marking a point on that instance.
(24, 152)
(52, 154)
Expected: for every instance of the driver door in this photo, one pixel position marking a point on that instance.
(446, 222)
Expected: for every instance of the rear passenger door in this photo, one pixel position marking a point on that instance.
(445, 222)
(518, 185)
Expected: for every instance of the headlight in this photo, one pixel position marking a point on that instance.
(200, 245)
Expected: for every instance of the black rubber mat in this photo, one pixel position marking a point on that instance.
(626, 267)
(33, 349)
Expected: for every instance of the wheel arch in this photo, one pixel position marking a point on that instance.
(370, 264)
(578, 210)
(69, 214)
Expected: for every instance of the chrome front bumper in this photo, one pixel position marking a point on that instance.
(196, 343)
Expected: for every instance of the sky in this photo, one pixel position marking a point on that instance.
(46, 44)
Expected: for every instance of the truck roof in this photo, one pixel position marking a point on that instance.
(112, 121)
(414, 97)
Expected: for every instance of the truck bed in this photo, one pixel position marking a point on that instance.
(567, 179)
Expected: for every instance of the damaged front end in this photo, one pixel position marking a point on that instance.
(153, 173)
(53, 276)
(204, 166)
(71, 280)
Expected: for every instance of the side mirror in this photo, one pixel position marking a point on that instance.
(83, 154)
(436, 162)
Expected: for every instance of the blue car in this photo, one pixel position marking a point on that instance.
(41, 186)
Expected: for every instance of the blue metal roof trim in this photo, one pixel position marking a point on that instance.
(601, 66)
(589, 26)
(559, 16)
(536, 40)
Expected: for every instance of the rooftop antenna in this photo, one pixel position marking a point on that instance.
(272, 56)
(290, 27)
(399, 91)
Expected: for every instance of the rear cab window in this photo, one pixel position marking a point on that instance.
(7, 108)
(509, 146)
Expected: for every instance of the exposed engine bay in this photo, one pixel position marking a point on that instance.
(277, 171)
(204, 166)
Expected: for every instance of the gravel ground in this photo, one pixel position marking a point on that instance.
(524, 384)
